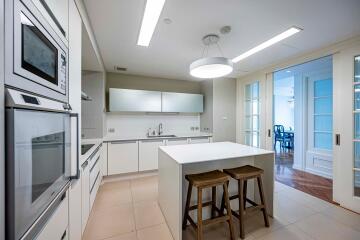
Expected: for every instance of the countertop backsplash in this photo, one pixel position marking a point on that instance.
(137, 124)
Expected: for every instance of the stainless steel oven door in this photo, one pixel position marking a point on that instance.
(38, 158)
(37, 57)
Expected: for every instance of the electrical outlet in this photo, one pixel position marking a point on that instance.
(111, 130)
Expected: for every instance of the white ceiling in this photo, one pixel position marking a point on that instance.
(116, 25)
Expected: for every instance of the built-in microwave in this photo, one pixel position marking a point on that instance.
(36, 55)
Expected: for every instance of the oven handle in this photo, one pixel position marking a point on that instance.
(74, 167)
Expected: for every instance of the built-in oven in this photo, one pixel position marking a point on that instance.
(41, 158)
(36, 55)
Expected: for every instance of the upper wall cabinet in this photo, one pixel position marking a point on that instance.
(126, 100)
(182, 102)
(56, 12)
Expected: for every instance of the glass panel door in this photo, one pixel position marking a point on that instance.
(252, 114)
(356, 167)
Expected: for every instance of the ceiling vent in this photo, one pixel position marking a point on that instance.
(120, 69)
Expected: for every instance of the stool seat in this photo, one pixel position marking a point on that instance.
(244, 172)
(211, 178)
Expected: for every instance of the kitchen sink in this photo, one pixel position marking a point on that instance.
(161, 136)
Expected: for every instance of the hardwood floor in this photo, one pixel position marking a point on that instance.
(314, 185)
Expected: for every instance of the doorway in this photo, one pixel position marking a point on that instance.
(303, 123)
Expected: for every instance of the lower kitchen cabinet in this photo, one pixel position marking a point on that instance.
(75, 229)
(123, 157)
(104, 159)
(176, 141)
(85, 193)
(148, 154)
(57, 226)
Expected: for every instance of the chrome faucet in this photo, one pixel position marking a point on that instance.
(160, 132)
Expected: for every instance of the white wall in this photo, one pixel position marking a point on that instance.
(283, 112)
(137, 124)
(224, 101)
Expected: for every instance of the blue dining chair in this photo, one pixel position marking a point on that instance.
(281, 137)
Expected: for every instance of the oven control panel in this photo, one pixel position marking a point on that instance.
(19, 99)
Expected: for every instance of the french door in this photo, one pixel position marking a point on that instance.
(347, 128)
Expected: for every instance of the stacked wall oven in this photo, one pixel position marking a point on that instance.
(41, 130)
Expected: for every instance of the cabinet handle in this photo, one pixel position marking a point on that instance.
(176, 139)
(152, 140)
(123, 142)
(64, 235)
(63, 197)
(84, 165)
(269, 133)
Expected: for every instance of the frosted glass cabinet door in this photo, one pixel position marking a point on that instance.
(127, 100)
(182, 102)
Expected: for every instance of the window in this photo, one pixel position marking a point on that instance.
(323, 114)
(252, 114)
(357, 127)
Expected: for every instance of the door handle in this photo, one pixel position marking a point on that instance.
(337, 139)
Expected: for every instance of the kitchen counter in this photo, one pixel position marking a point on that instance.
(177, 161)
(96, 143)
(110, 138)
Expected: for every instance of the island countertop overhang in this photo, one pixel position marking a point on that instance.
(195, 153)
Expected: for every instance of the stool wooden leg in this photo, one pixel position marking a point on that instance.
(262, 197)
(241, 209)
(222, 208)
(186, 212)
(228, 210)
(213, 204)
(199, 215)
(245, 193)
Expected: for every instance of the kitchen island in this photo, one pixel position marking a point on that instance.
(177, 161)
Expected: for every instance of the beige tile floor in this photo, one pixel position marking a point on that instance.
(128, 210)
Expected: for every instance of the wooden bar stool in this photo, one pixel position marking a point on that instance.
(201, 181)
(242, 175)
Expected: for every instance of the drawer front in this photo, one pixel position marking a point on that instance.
(57, 226)
(94, 171)
(199, 140)
(148, 154)
(123, 157)
(94, 189)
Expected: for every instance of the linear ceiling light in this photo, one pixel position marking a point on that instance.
(151, 16)
(268, 43)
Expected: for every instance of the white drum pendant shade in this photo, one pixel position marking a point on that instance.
(211, 67)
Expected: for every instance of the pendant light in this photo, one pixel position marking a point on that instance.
(211, 67)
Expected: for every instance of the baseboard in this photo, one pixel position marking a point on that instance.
(129, 176)
(322, 174)
(298, 167)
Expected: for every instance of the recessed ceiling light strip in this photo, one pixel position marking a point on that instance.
(268, 43)
(151, 16)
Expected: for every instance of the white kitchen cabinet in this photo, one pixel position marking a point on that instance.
(104, 159)
(123, 157)
(128, 100)
(56, 12)
(176, 141)
(75, 230)
(85, 189)
(57, 226)
(148, 154)
(182, 102)
(199, 140)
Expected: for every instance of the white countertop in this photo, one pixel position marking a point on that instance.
(193, 153)
(96, 143)
(111, 137)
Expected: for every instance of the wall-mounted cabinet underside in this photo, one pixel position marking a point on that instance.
(129, 100)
